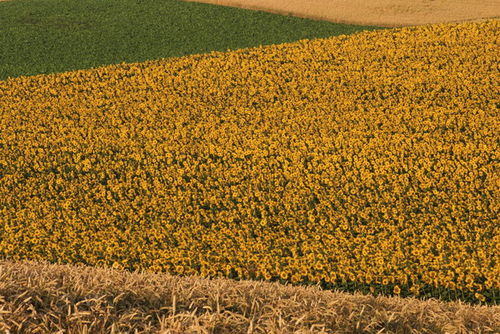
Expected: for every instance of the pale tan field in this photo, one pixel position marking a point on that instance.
(48, 298)
(391, 13)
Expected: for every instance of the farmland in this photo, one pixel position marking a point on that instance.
(179, 167)
(46, 298)
(47, 36)
(386, 13)
(295, 162)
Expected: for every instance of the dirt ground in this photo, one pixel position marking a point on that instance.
(390, 13)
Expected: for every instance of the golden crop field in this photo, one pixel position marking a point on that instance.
(368, 161)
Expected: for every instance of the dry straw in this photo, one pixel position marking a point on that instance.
(46, 298)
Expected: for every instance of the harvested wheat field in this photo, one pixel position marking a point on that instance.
(47, 298)
(390, 13)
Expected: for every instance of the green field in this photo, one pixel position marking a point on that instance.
(47, 36)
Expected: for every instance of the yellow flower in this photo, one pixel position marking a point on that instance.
(284, 275)
(480, 297)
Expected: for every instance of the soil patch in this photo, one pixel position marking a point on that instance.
(389, 13)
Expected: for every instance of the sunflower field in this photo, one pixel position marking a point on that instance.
(365, 162)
